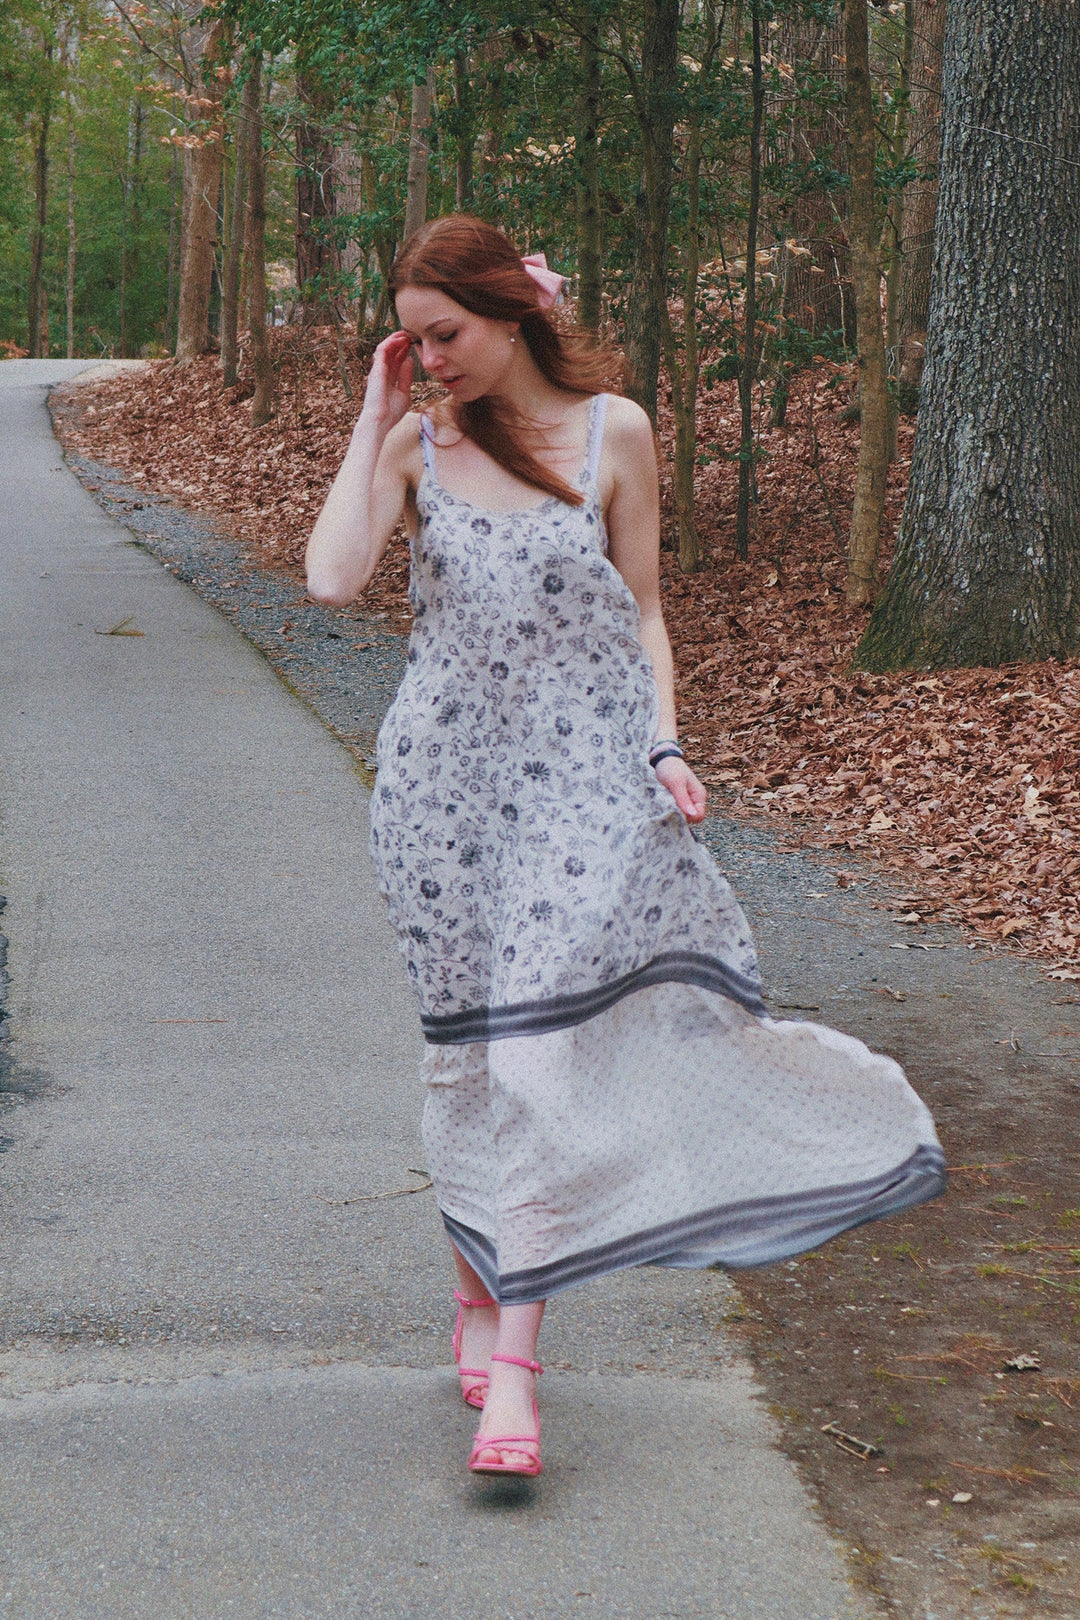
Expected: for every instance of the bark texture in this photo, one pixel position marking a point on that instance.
(865, 536)
(987, 566)
(590, 227)
(202, 188)
(419, 155)
(230, 285)
(655, 104)
(37, 340)
(920, 197)
(748, 369)
(316, 255)
(262, 404)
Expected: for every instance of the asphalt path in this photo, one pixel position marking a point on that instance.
(225, 1305)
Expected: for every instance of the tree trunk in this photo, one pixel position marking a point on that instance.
(987, 566)
(466, 133)
(817, 292)
(129, 214)
(894, 235)
(419, 154)
(590, 223)
(35, 299)
(70, 279)
(262, 405)
(654, 103)
(230, 291)
(748, 369)
(174, 242)
(202, 186)
(684, 377)
(920, 199)
(316, 253)
(865, 536)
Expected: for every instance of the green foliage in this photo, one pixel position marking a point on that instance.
(349, 67)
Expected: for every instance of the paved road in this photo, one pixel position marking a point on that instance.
(225, 1358)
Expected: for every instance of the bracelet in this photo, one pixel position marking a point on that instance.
(665, 753)
(663, 742)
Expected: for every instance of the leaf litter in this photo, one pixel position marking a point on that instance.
(964, 784)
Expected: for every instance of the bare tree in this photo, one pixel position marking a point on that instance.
(865, 536)
(202, 187)
(920, 202)
(423, 94)
(262, 405)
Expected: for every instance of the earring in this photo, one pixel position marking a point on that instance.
(513, 339)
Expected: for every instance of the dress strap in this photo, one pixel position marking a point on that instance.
(595, 440)
(427, 444)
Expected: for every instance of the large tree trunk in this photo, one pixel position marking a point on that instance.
(987, 566)
(419, 155)
(316, 253)
(589, 222)
(35, 297)
(202, 187)
(262, 405)
(654, 101)
(865, 536)
(920, 197)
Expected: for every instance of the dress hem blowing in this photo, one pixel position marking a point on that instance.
(735, 1237)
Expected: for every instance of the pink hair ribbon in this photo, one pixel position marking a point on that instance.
(549, 284)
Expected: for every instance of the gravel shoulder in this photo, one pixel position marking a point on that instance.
(899, 1334)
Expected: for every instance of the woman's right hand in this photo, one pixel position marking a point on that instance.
(388, 394)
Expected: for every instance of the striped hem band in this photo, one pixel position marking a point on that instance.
(562, 1012)
(755, 1232)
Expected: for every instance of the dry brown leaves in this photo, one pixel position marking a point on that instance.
(965, 783)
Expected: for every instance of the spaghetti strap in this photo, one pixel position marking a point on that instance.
(427, 445)
(595, 440)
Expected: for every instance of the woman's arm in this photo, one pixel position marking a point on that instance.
(633, 524)
(368, 496)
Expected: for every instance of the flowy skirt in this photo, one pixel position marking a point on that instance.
(675, 1128)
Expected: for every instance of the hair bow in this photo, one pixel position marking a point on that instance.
(549, 284)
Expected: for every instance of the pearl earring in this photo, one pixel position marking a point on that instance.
(513, 340)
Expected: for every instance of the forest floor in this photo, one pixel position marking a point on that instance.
(960, 791)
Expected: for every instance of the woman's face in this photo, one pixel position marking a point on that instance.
(469, 354)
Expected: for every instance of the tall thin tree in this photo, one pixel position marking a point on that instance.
(864, 539)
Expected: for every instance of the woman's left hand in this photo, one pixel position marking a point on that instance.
(684, 787)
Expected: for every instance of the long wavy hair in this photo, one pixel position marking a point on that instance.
(481, 269)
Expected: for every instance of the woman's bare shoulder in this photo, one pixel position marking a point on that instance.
(401, 448)
(627, 427)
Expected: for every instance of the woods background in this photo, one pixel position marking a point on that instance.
(740, 193)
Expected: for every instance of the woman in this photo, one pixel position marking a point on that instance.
(605, 1087)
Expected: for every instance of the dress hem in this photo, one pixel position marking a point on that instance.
(755, 1232)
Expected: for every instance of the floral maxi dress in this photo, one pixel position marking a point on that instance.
(605, 1085)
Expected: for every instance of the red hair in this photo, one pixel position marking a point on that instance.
(481, 269)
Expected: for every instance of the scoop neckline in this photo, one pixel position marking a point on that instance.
(500, 511)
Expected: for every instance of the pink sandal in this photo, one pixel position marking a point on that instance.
(474, 1380)
(528, 1444)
